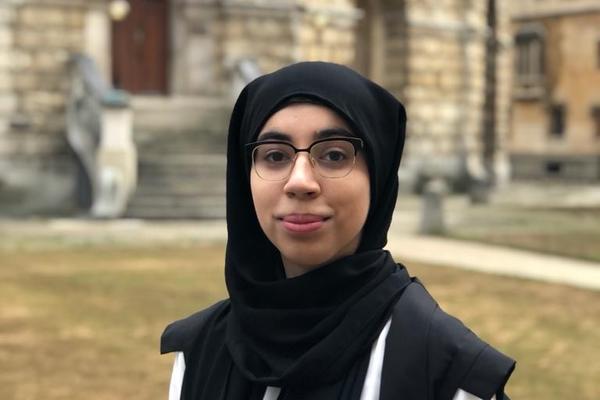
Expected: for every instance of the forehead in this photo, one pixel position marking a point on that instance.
(304, 121)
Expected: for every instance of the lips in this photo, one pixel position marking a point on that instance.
(303, 223)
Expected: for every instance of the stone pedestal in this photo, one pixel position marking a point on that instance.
(116, 164)
(432, 212)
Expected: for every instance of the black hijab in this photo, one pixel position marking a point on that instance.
(312, 333)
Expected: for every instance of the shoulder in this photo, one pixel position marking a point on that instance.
(180, 334)
(451, 355)
(464, 360)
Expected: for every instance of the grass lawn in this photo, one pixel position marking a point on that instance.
(83, 322)
(569, 232)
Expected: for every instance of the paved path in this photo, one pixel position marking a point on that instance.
(495, 259)
(406, 246)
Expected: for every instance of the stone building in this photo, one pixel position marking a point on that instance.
(35, 43)
(556, 102)
(449, 62)
(183, 62)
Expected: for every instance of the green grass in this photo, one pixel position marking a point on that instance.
(565, 232)
(83, 322)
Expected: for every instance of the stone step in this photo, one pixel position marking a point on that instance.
(179, 185)
(189, 145)
(192, 143)
(152, 187)
(182, 177)
(197, 160)
(169, 207)
(181, 144)
(181, 165)
(169, 200)
(186, 173)
(198, 212)
(178, 190)
(168, 116)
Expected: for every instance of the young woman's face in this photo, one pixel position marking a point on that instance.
(312, 220)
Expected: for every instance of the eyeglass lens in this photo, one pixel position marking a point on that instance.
(332, 159)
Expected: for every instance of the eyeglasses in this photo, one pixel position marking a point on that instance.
(332, 158)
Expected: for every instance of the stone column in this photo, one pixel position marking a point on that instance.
(504, 74)
(433, 221)
(97, 38)
(7, 97)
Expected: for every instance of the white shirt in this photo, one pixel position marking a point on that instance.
(370, 387)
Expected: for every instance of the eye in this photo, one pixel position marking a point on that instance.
(334, 155)
(276, 156)
(273, 154)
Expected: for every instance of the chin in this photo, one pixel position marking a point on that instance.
(300, 259)
(306, 258)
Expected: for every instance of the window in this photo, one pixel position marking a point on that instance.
(596, 121)
(553, 167)
(529, 60)
(557, 120)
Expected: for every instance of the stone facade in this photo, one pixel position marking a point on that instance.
(555, 128)
(211, 37)
(433, 55)
(434, 59)
(36, 39)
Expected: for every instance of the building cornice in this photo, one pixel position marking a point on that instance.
(549, 9)
(280, 6)
(59, 3)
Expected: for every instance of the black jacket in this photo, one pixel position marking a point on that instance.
(428, 354)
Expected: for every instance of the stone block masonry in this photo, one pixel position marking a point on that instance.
(436, 63)
(36, 39)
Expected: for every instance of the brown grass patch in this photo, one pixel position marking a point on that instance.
(85, 322)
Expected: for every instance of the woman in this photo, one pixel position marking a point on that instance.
(317, 309)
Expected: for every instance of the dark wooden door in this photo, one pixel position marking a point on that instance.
(140, 48)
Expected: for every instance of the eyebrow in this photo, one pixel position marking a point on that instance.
(333, 132)
(322, 134)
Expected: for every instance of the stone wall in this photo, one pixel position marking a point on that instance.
(440, 58)
(327, 31)
(430, 54)
(444, 88)
(265, 33)
(503, 89)
(7, 97)
(36, 38)
(211, 37)
(571, 33)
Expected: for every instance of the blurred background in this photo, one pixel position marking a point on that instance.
(113, 120)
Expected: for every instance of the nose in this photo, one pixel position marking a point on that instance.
(302, 182)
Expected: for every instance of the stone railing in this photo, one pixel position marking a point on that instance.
(99, 129)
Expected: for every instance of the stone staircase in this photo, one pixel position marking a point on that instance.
(181, 158)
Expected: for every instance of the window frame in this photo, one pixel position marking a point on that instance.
(530, 53)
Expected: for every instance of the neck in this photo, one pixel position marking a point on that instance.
(293, 269)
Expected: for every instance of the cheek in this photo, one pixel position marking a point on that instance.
(353, 203)
(256, 191)
(262, 197)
